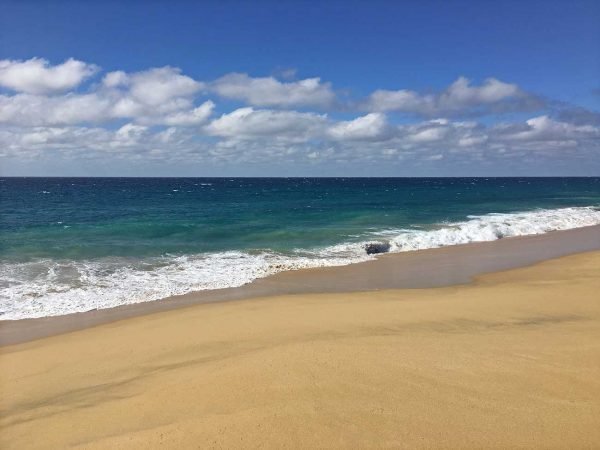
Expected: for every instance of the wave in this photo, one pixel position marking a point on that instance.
(491, 227)
(49, 288)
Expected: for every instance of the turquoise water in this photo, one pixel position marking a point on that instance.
(72, 244)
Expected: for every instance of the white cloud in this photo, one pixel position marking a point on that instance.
(543, 128)
(159, 95)
(459, 97)
(37, 110)
(371, 126)
(154, 86)
(248, 136)
(461, 93)
(268, 91)
(195, 116)
(37, 76)
(168, 120)
(428, 134)
(472, 140)
(115, 79)
(245, 123)
(127, 142)
(129, 135)
(402, 100)
(156, 96)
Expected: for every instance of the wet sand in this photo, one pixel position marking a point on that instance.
(420, 269)
(510, 360)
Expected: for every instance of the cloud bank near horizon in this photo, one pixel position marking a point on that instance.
(72, 110)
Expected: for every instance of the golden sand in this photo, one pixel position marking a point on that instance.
(512, 360)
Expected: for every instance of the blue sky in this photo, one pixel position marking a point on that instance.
(395, 88)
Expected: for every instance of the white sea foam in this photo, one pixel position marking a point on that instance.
(496, 226)
(50, 288)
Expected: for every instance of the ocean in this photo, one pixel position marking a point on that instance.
(76, 244)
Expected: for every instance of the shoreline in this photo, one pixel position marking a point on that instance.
(450, 265)
(507, 361)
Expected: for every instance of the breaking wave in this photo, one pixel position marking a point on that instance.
(48, 287)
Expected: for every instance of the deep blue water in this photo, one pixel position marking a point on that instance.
(96, 217)
(71, 231)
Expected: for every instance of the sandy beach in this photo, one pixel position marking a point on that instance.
(436, 267)
(509, 360)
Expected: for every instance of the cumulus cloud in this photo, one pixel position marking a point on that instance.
(268, 91)
(39, 110)
(159, 95)
(129, 135)
(428, 134)
(195, 116)
(371, 126)
(37, 76)
(156, 96)
(543, 128)
(436, 134)
(129, 141)
(461, 93)
(247, 123)
(161, 114)
(460, 98)
(249, 136)
(154, 86)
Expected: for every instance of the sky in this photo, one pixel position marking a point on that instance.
(300, 88)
